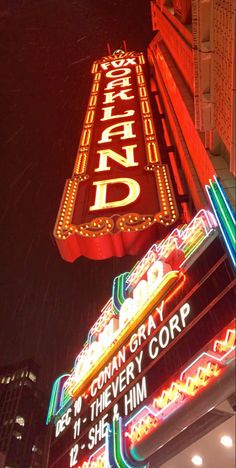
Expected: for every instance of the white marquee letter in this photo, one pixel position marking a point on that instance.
(184, 312)
(126, 161)
(108, 113)
(122, 82)
(118, 63)
(131, 61)
(118, 73)
(101, 191)
(110, 97)
(126, 132)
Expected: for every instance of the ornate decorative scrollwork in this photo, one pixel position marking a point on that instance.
(95, 228)
(134, 222)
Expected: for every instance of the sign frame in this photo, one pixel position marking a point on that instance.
(121, 233)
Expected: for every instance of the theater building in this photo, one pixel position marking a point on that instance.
(192, 57)
(153, 177)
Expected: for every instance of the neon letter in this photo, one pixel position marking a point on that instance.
(131, 61)
(140, 293)
(110, 97)
(101, 191)
(118, 73)
(122, 82)
(126, 132)
(105, 65)
(117, 63)
(127, 311)
(108, 113)
(156, 274)
(127, 161)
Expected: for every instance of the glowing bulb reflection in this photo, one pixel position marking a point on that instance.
(197, 460)
(226, 441)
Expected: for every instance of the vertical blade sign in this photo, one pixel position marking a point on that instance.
(120, 195)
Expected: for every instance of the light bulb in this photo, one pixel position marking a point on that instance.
(197, 460)
(226, 441)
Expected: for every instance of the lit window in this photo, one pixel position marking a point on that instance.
(8, 379)
(34, 448)
(3, 380)
(22, 374)
(20, 420)
(32, 377)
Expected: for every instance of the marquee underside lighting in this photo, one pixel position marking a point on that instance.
(120, 194)
(204, 369)
(199, 374)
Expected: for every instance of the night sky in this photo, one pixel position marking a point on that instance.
(46, 304)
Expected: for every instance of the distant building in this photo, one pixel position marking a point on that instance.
(2, 460)
(22, 416)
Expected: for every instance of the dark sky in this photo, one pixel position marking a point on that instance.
(47, 49)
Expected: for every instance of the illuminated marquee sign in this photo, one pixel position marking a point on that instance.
(120, 195)
(161, 318)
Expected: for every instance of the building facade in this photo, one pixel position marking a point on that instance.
(22, 416)
(192, 58)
